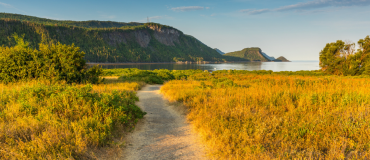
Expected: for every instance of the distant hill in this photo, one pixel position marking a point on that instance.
(111, 42)
(251, 54)
(222, 53)
(282, 59)
(254, 54)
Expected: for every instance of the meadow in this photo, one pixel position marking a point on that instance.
(43, 120)
(239, 114)
(277, 115)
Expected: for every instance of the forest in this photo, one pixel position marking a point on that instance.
(119, 42)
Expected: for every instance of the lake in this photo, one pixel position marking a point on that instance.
(274, 66)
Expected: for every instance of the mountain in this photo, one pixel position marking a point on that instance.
(282, 59)
(111, 42)
(222, 53)
(253, 54)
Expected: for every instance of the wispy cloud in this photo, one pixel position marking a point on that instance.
(10, 6)
(6, 5)
(254, 12)
(316, 4)
(188, 8)
(324, 3)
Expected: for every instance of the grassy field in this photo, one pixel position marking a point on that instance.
(246, 115)
(39, 120)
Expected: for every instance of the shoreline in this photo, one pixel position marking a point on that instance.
(186, 62)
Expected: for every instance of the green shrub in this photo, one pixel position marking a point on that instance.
(53, 62)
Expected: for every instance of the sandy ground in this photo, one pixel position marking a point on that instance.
(163, 133)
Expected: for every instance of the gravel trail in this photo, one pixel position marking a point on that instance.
(163, 133)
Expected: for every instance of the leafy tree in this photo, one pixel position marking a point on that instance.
(340, 58)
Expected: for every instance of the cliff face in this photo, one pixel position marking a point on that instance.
(146, 43)
(166, 36)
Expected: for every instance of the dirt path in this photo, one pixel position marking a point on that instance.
(163, 133)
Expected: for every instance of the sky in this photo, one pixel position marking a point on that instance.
(295, 29)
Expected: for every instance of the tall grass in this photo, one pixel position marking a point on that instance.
(250, 116)
(60, 121)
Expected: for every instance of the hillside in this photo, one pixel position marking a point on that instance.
(282, 59)
(251, 54)
(132, 42)
(254, 54)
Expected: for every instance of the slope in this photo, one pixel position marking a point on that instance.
(282, 59)
(251, 54)
(149, 42)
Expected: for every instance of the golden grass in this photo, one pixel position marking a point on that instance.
(113, 83)
(39, 120)
(272, 116)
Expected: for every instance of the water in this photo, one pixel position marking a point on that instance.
(274, 66)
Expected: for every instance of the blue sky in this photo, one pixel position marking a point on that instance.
(296, 29)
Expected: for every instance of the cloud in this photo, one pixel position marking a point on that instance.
(6, 5)
(188, 8)
(310, 6)
(324, 3)
(254, 12)
(10, 6)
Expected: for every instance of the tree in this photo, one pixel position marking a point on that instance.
(340, 58)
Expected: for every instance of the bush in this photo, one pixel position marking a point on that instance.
(54, 62)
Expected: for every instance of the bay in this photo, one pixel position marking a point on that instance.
(274, 66)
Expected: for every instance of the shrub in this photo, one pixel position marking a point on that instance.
(54, 62)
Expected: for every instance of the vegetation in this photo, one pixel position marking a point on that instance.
(85, 24)
(282, 59)
(53, 62)
(39, 120)
(341, 58)
(269, 72)
(108, 42)
(150, 76)
(250, 54)
(46, 111)
(262, 115)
